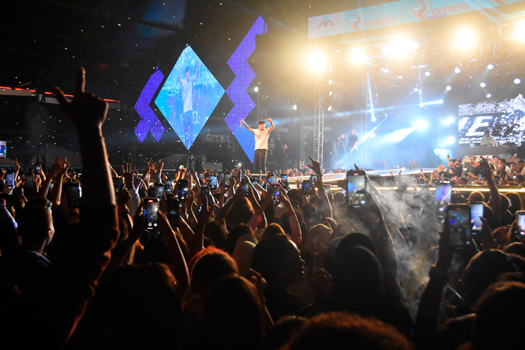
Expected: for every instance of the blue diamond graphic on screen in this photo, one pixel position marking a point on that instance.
(189, 96)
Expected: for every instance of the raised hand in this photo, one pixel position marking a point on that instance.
(315, 166)
(86, 111)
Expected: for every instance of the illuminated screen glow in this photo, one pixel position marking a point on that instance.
(149, 121)
(244, 75)
(3, 149)
(189, 96)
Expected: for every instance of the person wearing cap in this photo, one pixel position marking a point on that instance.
(261, 145)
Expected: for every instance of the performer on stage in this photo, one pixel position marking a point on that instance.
(261, 145)
(187, 99)
(352, 141)
(487, 140)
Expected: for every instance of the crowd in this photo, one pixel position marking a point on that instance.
(190, 261)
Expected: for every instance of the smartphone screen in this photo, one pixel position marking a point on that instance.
(476, 211)
(306, 186)
(459, 219)
(183, 190)
(38, 169)
(73, 195)
(159, 190)
(276, 191)
(167, 187)
(442, 196)
(205, 191)
(173, 208)
(213, 182)
(150, 212)
(10, 179)
(356, 181)
(521, 223)
(245, 189)
(29, 180)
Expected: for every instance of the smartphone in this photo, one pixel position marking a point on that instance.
(355, 181)
(272, 179)
(276, 191)
(118, 182)
(476, 210)
(213, 182)
(284, 181)
(29, 180)
(38, 169)
(205, 191)
(459, 220)
(183, 190)
(10, 179)
(159, 190)
(326, 189)
(150, 212)
(306, 186)
(173, 208)
(442, 197)
(226, 179)
(314, 179)
(242, 175)
(156, 178)
(521, 223)
(73, 194)
(167, 187)
(245, 189)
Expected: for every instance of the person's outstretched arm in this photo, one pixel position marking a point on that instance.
(65, 292)
(246, 125)
(271, 124)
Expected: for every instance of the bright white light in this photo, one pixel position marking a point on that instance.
(457, 70)
(520, 31)
(441, 102)
(294, 107)
(400, 77)
(450, 120)
(482, 85)
(256, 89)
(416, 89)
(449, 88)
(427, 73)
(517, 81)
(372, 134)
(330, 81)
(385, 70)
(329, 108)
(373, 118)
(489, 95)
(400, 47)
(331, 92)
(239, 165)
(490, 66)
(465, 39)
(420, 125)
(357, 56)
(316, 61)
(450, 140)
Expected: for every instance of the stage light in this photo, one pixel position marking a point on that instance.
(490, 66)
(239, 165)
(489, 95)
(448, 88)
(450, 140)
(520, 31)
(416, 89)
(372, 134)
(385, 70)
(465, 39)
(294, 107)
(400, 47)
(316, 61)
(420, 125)
(373, 118)
(331, 92)
(330, 81)
(482, 85)
(517, 81)
(400, 77)
(450, 120)
(427, 73)
(357, 56)
(457, 70)
(441, 102)
(329, 108)
(256, 89)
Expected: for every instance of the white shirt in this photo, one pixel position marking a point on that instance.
(187, 94)
(261, 138)
(487, 140)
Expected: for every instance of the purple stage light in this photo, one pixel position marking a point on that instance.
(149, 121)
(244, 75)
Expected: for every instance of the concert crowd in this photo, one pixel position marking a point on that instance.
(105, 258)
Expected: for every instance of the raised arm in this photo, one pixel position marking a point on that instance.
(271, 124)
(246, 125)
